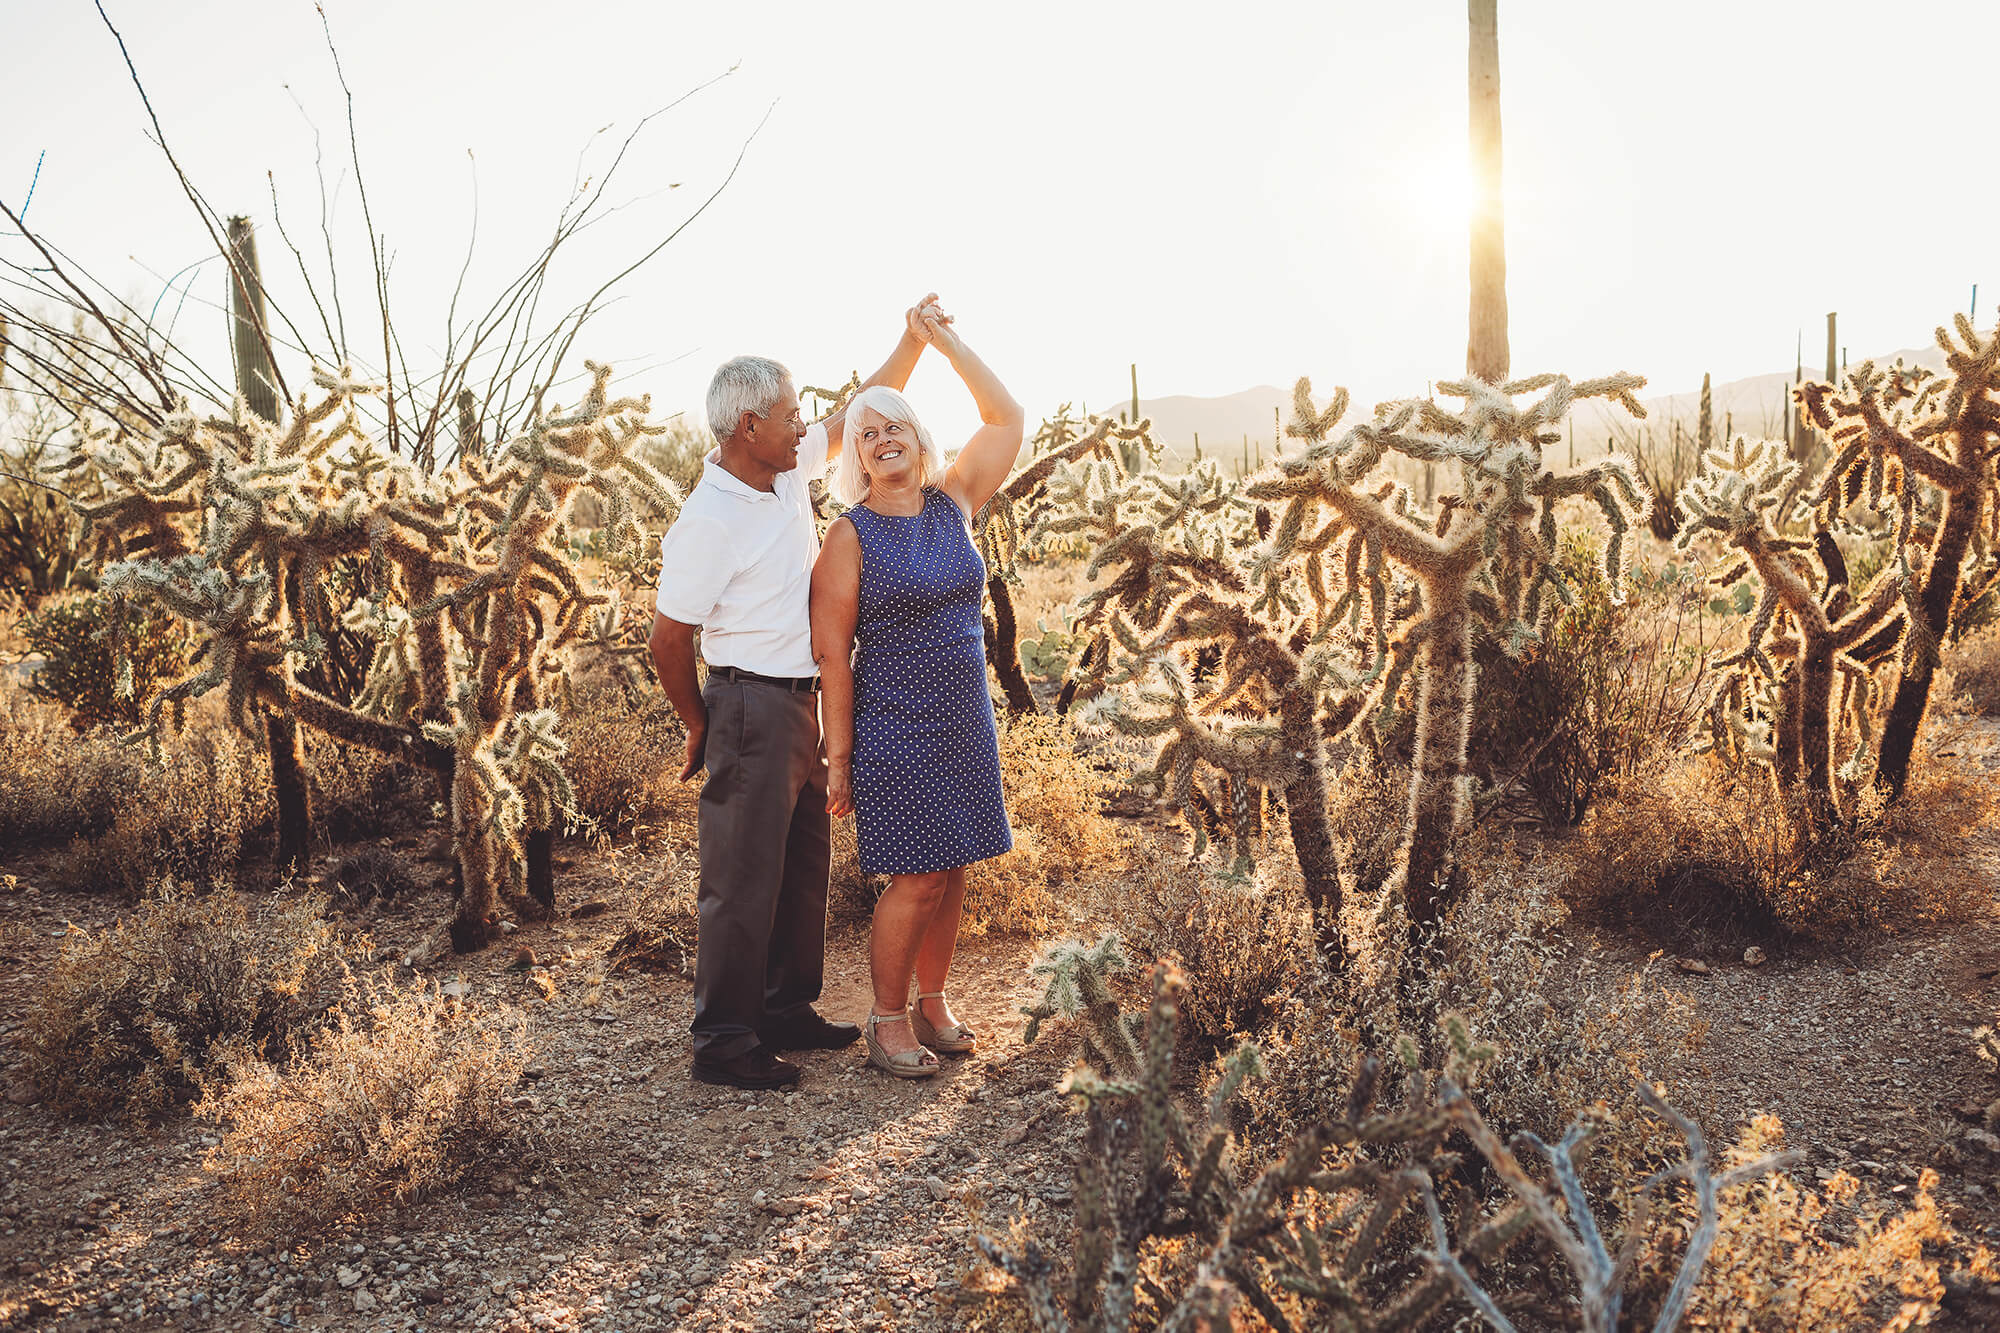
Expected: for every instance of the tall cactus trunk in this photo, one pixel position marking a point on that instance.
(256, 381)
(256, 378)
(1312, 836)
(1962, 512)
(1437, 782)
(293, 791)
(1813, 705)
(1486, 351)
(1005, 650)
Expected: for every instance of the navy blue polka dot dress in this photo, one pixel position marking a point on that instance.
(926, 762)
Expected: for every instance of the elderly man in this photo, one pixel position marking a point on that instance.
(737, 564)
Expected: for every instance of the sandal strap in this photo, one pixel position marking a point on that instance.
(930, 995)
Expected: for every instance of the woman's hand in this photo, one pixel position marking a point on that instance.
(914, 317)
(839, 788)
(939, 332)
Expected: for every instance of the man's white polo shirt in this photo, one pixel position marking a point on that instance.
(738, 562)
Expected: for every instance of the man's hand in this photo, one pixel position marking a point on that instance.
(697, 752)
(839, 788)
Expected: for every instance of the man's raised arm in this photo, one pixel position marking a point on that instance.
(895, 372)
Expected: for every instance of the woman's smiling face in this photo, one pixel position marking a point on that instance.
(888, 450)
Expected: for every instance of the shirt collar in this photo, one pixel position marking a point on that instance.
(714, 474)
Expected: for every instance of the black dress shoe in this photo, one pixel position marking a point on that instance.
(810, 1033)
(756, 1069)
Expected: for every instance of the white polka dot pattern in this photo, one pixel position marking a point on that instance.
(927, 793)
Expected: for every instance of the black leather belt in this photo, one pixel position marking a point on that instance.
(796, 684)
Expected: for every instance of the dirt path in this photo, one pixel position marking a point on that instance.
(658, 1201)
(1867, 1055)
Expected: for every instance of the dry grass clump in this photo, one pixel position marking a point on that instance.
(1689, 841)
(54, 784)
(1974, 662)
(1788, 1257)
(1062, 840)
(372, 874)
(137, 1017)
(398, 1095)
(1242, 940)
(663, 923)
(185, 817)
(624, 759)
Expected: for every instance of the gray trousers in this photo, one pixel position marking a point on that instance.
(764, 852)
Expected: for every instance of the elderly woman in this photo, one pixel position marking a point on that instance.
(910, 742)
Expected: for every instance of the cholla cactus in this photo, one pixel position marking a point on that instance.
(1008, 525)
(1313, 1224)
(1487, 555)
(234, 525)
(1298, 606)
(1174, 541)
(1740, 493)
(1919, 440)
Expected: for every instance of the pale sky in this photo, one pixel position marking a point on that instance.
(1227, 195)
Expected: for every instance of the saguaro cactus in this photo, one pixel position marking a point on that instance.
(1486, 353)
(1927, 441)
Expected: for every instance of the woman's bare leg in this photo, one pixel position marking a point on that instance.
(940, 941)
(902, 916)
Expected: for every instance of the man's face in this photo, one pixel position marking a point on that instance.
(775, 433)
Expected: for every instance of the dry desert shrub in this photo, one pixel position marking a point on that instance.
(1611, 682)
(78, 641)
(398, 1095)
(54, 784)
(1243, 939)
(1564, 1037)
(1063, 843)
(1974, 662)
(624, 759)
(661, 916)
(1689, 840)
(1792, 1259)
(360, 793)
(1363, 812)
(137, 1017)
(185, 816)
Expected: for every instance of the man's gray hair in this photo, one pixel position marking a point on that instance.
(743, 384)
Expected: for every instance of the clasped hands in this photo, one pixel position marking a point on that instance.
(928, 323)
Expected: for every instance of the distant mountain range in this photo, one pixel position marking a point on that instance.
(1753, 406)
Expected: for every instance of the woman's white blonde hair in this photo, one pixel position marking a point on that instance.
(849, 482)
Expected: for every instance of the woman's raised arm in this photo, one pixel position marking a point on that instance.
(982, 466)
(836, 602)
